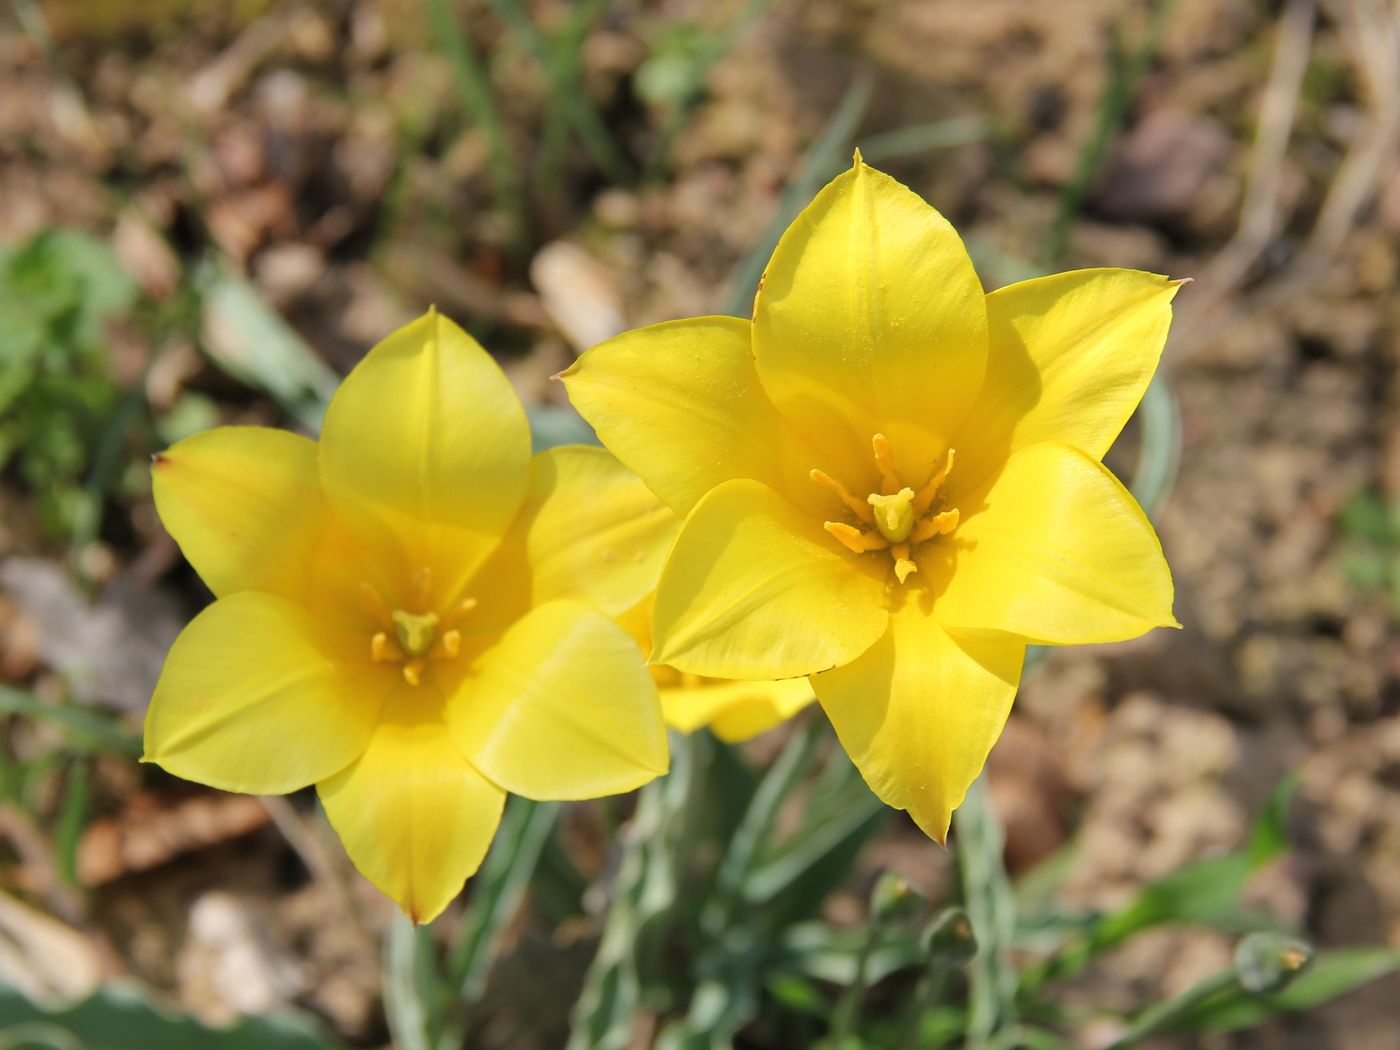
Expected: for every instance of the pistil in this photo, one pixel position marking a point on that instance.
(411, 638)
(896, 518)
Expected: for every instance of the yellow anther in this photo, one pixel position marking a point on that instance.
(853, 539)
(415, 631)
(926, 495)
(884, 459)
(938, 525)
(374, 605)
(903, 565)
(413, 671)
(383, 649)
(894, 515)
(459, 610)
(449, 645)
(856, 507)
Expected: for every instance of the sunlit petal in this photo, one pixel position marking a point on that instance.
(1071, 355)
(870, 318)
(919, 712)
(426, 449)
(735, 711)
(1057, 551)
(591, 530)
(253, 698)
(756, 589)
(562, 708)
(245, 505)
(414, 815)
(680, 404)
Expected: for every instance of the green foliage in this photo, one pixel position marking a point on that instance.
(1371, 549)
(121, 1018)
(57, 292)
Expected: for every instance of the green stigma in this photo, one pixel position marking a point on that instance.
(415, 631)
(894, 515)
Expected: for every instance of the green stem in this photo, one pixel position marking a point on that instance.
(932, 986)
(1157, 1019)
(848, 1009)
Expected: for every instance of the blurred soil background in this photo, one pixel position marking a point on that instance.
(208, 212)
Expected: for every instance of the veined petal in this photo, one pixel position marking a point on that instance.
(919, 712)
(1071, 355)
(870, 319)
(425, 449)
(245, 506)
(735, 711)
(680, 404)
(755, 589)
(592, 530)
(415, 816)
(561, 708)
(252, 698)
(1057, 552)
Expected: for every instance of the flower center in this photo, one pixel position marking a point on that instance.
(896, 518)
(413, 637)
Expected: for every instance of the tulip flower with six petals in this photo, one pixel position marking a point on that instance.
(412, 614)
(891, 481)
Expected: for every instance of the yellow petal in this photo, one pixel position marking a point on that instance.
(919, 712)
(425, 446)
(414, 815)
(1071, 355)
(870, 319)
(561, 708)
(591, 530)
(755, 589)
(1057, 552)
(254, 698)
(680, 404)
(735, 711)
(245, 505)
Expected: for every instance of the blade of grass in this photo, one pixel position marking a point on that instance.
(1125, 78)
(475, 89)
(72, 818)
(85, 729)
(991, 907)
(499, 887)
(569, 105)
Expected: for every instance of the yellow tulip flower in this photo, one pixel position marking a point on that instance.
(891, 480)
(412, 614)
(734, 711)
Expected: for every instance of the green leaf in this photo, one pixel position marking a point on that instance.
(120, 1017)
(1330, 975)
(86, 730)
(253, 343)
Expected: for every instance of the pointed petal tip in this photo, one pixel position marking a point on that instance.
(857, 161)
(159, 459)
(1179, 281)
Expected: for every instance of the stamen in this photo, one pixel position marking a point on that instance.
(853, 539)
(938, 525)
(903, 566)
(856, 507)
(448, 645)
(926, 495)
(884, 459)
(421, 585)
(383, 649)
(413, 672)
(459, 610)
(374, 605)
